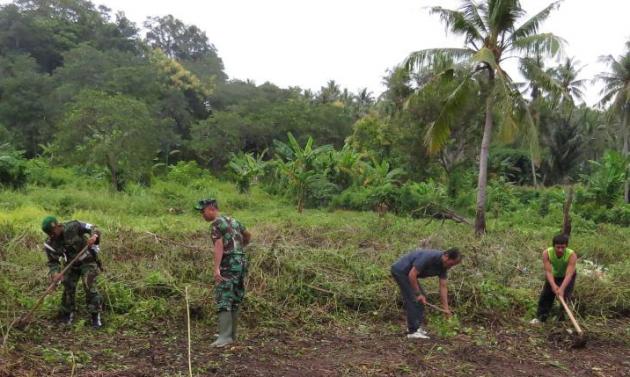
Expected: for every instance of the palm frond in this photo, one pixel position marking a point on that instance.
(531, 26)
(533, 72)
(438, 133)
(422, 58)
(472, 14)
(547, 43)
(457, 23)
(502, 15)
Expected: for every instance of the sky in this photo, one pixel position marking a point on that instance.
(308, 42)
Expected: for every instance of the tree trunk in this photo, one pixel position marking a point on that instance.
(113, 172)
(566, 211)
(626, 151)
(480, 220)
(534, 171)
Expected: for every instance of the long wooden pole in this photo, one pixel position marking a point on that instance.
(566, 308)
(188, 325)
(25, 319)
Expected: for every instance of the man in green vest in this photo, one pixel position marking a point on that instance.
(229, 238)
(559, 262)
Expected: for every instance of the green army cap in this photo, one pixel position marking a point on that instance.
(205, 203)
(49, 223)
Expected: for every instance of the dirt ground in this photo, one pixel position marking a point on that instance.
(515, 350)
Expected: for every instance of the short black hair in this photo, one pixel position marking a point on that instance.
(453, 254)
(561, 239)
(207, 203)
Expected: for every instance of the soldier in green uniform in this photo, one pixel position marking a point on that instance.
(229, 237)
(65, 241)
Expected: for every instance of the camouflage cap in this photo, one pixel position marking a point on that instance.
(49, 223)
(205, 203)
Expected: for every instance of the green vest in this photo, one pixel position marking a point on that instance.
(559, 265)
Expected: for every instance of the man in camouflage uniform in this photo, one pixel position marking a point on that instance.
(230, 267)
(65, 241)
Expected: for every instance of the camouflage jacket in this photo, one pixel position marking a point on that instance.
(72, 241)
(231, 231)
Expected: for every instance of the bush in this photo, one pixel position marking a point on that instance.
(186, 171)
(40, 173)
(355, 198)
(605, 185)
(421, 199)
(12, 167)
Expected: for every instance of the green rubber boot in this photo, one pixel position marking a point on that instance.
(225, 330)
(234, 324)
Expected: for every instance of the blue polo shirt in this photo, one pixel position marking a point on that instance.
(427, 262)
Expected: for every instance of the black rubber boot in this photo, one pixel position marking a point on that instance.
(96, 321)
(66, 318)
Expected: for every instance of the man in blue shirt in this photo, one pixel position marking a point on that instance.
(421, 264)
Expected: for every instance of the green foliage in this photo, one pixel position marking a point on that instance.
(304, 169)
(606, 183)
(245, 169)
(114, 132)
(185, 173)
(12, 167)
(511, 164)
(41, 173)
(372, 136)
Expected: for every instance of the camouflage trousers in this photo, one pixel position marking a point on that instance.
(87, 273)
(229, 294)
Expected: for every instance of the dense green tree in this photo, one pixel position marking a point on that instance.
(45, 29)
(187, 44)
(23, 109)
(115, 132)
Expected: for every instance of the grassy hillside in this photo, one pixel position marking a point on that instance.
(309, 272)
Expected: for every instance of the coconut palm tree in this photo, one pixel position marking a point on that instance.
(569, 85)
(493, 32)
(617, 91)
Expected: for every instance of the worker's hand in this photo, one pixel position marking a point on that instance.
(56, 277)
(422, 299)
(92, 240)
(217, 276)
(447, 313)
(560, 292)
(555, 289)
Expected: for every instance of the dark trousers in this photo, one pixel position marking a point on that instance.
(545, 302)
(415, 310)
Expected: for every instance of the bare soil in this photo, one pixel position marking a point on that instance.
(161, 350)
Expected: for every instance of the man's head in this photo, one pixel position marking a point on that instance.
(51, 226)
(451, 257)
(209, 209)
(560, 243)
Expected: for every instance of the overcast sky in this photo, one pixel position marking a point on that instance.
(306, 43)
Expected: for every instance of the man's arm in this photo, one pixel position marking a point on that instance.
(95, 234)
(568, 274)
(54, 267)
(218, 255)
(417, 289)
(444, 296)
(548, 272)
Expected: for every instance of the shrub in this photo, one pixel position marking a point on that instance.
(12, 167)
(41, 173)
(186, 171)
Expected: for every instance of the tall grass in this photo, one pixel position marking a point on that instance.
(310, 269)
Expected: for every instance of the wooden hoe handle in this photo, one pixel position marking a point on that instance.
(566, 308)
